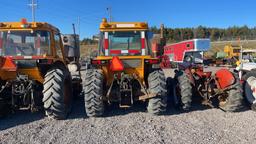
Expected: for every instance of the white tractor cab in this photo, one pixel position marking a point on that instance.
(247, 73)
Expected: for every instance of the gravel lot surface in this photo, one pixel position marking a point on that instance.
(134, 125)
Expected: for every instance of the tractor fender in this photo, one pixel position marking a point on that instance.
(224, 78)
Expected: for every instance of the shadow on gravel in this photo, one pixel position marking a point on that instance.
(24, 116)
(78, 110)
(19, 118)
(115, 110)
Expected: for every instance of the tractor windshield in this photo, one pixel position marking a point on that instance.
(125, 41)
(24, 43)
(122, 43)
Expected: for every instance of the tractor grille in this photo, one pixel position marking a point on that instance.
(132, 63)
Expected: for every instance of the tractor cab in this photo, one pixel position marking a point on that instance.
(124, 39)
(126, 43)
(28, 45)
(24, 43)
(21, 39)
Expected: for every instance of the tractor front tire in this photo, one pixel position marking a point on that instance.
(93, 92)
(183, 90)
(250, 78)
(57, 93)
(234, 102)
(157, 85)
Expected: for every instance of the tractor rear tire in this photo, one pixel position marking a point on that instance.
(185, 89)
(157, 85)
(250, 98)
(93, 92)
(57, 93)
(234, 102)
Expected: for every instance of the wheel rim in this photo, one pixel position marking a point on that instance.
(250, 89)
(188, 59)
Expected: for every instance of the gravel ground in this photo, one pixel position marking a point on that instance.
(134, 125)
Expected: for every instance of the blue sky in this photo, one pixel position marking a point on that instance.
(173, 13)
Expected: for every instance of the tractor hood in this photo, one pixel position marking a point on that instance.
(246, 66)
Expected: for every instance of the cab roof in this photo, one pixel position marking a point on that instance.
(23, 24)
(122, 26)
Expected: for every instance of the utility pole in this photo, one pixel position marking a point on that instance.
(33, 6)
(109, 9)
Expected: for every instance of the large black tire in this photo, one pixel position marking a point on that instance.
(57, 93)
(157, 85)
(183, 90)
(93, 92)
(250, 96)
(235, 101)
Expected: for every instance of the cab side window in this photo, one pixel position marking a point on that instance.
(57, 45)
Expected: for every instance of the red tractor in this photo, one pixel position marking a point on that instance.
(221, 86)
(216, 87)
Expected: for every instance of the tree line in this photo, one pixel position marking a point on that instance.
(88, 41)
(215, 34)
